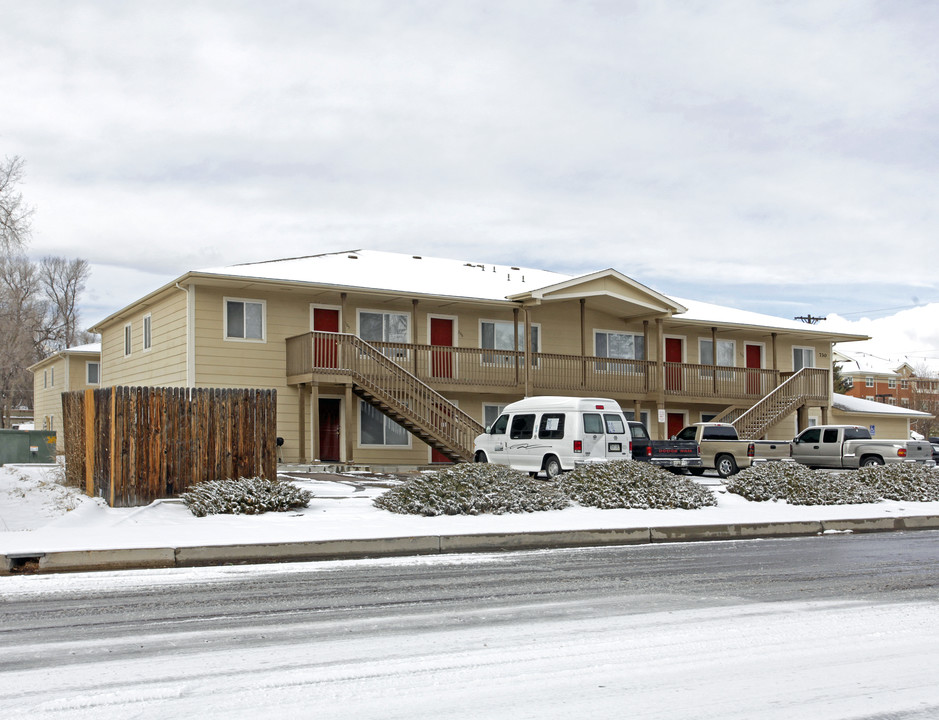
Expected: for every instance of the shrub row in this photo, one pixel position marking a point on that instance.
(799, 485)
(471, 489)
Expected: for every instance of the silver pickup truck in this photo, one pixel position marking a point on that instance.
(851, 446)
(723, 451)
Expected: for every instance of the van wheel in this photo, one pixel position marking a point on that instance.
(480, 457)
(726, 466)
(551, 466)
(871, 461)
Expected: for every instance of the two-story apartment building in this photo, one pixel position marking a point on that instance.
(384, 358)
(77, 368)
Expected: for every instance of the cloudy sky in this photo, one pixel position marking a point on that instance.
(777, 157)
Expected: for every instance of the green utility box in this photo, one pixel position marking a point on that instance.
(27, 446)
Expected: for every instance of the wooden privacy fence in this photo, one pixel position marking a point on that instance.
(134, 445)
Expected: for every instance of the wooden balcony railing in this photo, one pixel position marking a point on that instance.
(550, 373)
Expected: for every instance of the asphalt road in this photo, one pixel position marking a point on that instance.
(441, 636)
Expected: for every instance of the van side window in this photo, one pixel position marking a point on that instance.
(552, 426)
(499, 426)
(830, 436)
(593, 424)
(615, 425)
(523, 427)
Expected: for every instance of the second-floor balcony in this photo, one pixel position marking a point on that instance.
(315, 355)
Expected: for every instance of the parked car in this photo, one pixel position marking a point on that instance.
(551, 434)
(935, 452)
(851, 446)
(673, 455)
(723, 451)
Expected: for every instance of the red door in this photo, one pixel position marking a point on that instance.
(325, 353)
(673, 354)
(329, 429)
(675, 422)
(754, 355)
(441, 335)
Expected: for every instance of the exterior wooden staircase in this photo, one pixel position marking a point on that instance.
(396, 392)
(804, 386)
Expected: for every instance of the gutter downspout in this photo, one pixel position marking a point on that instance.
(190, 291)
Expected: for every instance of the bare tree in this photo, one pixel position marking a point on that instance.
(22, 310)
(924, 389)
(63, 282)
(14, 215)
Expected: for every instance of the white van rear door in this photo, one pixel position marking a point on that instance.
(594, 437)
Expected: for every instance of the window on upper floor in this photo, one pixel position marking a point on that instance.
(146, 331)
(726, 356)
(128, 334)
(802, 357)
(868, 382)
(92, 373)
(892, 383)
(386, 327)
(244, 319)
(500, 335)
(904, 384)
(622, 346)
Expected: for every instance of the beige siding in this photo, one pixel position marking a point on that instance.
(58, 374)
(164, 363)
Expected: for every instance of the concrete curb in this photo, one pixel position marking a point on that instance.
(145, 558)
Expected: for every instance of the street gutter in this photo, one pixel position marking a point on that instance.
(194, 556)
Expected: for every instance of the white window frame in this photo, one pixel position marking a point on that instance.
(147, 331)
(802, 350)
(868, 382)
(892, 383)
(705, 371)
(488, 407)
(397, 354)
(45, 379)
(385, 420)
(88, 365)
(244, 301)
(491, 357)
(128, 339)
(612, 367)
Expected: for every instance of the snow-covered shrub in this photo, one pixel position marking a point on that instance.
(767, 481)
(631, 484)
(799, 485)
(472, 489)
(908, 482)
(825, 488)
(245, 496)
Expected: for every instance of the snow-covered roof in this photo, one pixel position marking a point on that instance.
(708, 312)
(847, 403)
(862, 362)
(397, 272)
(376, 270)
(89, 349)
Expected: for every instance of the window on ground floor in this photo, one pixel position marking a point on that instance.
(376, 428)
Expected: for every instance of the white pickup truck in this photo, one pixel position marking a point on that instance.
(851, 446)
(723, 451)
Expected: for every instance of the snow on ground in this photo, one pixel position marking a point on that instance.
(39, 515)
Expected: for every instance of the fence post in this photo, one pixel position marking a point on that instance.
(89, 442)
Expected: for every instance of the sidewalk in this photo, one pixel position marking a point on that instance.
(341, 522)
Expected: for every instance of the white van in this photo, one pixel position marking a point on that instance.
(552, 434)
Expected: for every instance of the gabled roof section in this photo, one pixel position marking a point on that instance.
(91, 350)
(608, 289)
